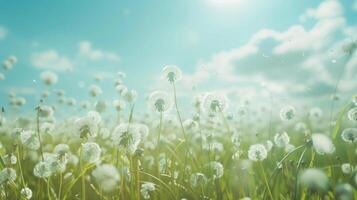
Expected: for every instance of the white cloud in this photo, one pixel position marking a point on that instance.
(19, 90)
(295, 61)
(86, 50)
(51, 59)
(3, 32)
(327, 9)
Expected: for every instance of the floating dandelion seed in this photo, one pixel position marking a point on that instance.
(146, 189)
(90, 152)
(287, 113)
(281, 139)
(129, 96)
(349, 135)
(26, 193)
(119, 105)
(95, 90)
(314, 179)
(71, 101)
(101, 106)
(7, 65)
(352, 114)
(215, 103)
(315, 113)
(121, 75)
(49, 78)
(106, 176)
(121, 89)
(12, 59)
(269, 145)
(160, 102)
(171, 73)
(322, 144)
(257, 152)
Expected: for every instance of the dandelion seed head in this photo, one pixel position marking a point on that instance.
(12, 59)
(29, 139)
(215, 103)
(344, 191)
(7, 65)
(45, 111)
(191, 125)
(119, 105)
(217, 168)
(352, 114)
(26, 193)
(349, 135)
(269, 145)
(57, 163)
(257, 152)
(315, 113)
(171, 73)
(106, 176)
(129, 95)
(322, 144)
(289, 148)
(49, 77)
(346, 168)
(42, 170)
(198, 179)
(160, 102)
(281, 139)
(101, 106)
(287, 113)
(71, 101)
(127, 136)
(7, 175)
(146, 189)
(95, 90)
(9, 159)
(90, 152)
(314, 179)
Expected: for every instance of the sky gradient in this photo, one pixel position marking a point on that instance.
(238, 47)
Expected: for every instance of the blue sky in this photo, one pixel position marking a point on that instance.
(222, 37)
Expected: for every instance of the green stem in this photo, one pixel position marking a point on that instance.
(20, 166)
(38, 132)
(178, 112)
(266, 181)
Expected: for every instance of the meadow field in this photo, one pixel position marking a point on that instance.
(224, 150)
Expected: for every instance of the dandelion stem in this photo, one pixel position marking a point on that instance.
(265, 179)
(60, 185)
(38, 131)
(159, 132)
(20, 166)
(83, 183)
(297, 172)
(178, 112)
